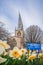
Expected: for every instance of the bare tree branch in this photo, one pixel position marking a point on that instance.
(34, 34)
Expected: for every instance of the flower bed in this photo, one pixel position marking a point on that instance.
(23, 60)
(19, 57)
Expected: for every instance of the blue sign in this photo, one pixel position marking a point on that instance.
(33, 46)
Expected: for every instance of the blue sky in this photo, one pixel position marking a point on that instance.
(31, 13)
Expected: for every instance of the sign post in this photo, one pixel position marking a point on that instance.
(33, 46)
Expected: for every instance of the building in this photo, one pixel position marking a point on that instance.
(19, 33)
(18, 39)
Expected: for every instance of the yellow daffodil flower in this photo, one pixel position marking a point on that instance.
(40, 54)
(32, 57)
(4, 45)
(23, 51)
(15, 54)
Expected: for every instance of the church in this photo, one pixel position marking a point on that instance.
(18, 38)
(19, 33)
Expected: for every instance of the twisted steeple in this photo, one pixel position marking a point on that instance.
(20, 24)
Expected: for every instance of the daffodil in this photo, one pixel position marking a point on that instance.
(6, 53)
(2, 50)
(16, 48)
(23, 51)
(2, 60)
(40, 54)
(4, 45)
(15, 54)
(32, 57)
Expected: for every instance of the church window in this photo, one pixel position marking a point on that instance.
(19, 34)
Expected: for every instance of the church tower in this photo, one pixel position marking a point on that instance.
(19, 33)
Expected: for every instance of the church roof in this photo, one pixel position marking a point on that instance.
(20, 24)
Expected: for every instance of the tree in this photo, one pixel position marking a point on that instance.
(34, 34)
(3, 32)
(12, 42)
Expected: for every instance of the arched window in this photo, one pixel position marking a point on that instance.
(19, 34)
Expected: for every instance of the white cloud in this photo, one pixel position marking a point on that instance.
(29, 17)
(32, 18)
(5, 20)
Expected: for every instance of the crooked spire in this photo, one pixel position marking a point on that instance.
(20, 24)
